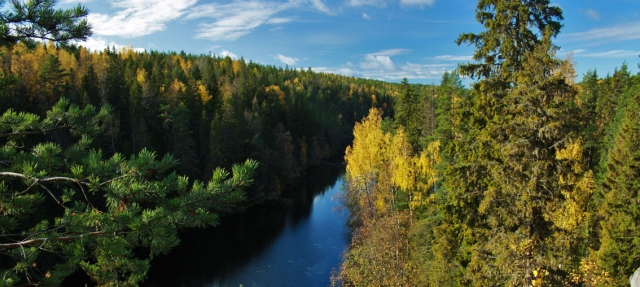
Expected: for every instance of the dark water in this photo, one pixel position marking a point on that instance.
(268, 245)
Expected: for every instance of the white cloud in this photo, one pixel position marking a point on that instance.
(607, 54)
(235, 19)
(286, 60)
(279, 20)
(366, 16)
(378, 62)
(392, 52)
(622, 32)
(420, 3)
(138, 17)
(226, 53)
(593, 14)
(381, 61)
(98, 44)
(454, 58)
(376, 3)
(320, 6)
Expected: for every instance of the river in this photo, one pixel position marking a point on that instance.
(297, 244)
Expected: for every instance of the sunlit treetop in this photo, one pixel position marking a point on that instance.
(513, 28)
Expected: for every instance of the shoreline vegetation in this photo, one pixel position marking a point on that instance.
(527, 179)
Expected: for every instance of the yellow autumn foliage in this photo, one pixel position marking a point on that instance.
(204, 94)
(403, 163)
(281, 95)
(379, 163)
(574, 153)
(366, 161)
(177, 86)
(579, 187)
(141, 76)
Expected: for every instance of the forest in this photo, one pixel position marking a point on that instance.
(526, 179)
(107, 155)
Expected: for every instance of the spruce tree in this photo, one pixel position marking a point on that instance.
(408, 113)
(519, 168)
(619, 252)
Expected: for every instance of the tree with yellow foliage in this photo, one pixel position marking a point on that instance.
(366, 162)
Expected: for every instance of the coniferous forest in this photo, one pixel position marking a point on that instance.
(528, 178)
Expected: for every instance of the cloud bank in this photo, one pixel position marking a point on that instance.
(236, 19)
(138, 17)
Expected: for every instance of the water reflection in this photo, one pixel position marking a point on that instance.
(269, 245)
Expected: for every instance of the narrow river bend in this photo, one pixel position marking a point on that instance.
(268, 245)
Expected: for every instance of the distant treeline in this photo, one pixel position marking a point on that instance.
(207, 111)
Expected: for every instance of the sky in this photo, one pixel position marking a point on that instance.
(377, 39)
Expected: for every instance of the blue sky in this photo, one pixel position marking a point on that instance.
(378, 39)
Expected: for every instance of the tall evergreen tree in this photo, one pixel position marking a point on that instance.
(90, 88)
(619, 253)
(515, 175)
(182, 143)
(52, 81)
(408, 112)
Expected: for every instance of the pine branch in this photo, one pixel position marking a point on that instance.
(10, 135)
(37, 241)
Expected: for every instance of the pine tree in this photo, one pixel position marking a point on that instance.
(36, 19)
(68, 207)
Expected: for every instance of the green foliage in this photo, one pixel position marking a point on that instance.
(36, 19)
(65, 207)
(528, 180)
(408, 112)
(233, 110)
(523, 191)
(620, 240)
(513, 29)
